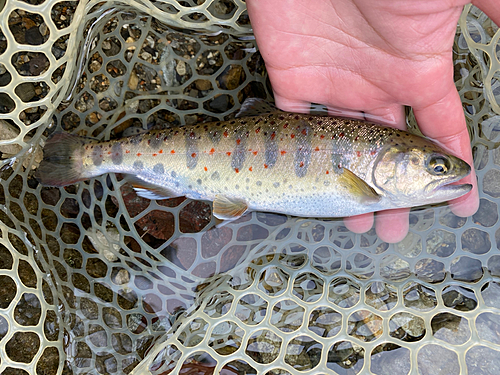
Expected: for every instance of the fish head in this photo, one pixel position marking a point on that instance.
(419, 174)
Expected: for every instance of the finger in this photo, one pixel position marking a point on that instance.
(392, 225)
(490, 7)
(291, 105)
(444, 122)
(359, 223)
(392, 115)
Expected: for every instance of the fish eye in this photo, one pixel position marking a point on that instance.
(439, 165)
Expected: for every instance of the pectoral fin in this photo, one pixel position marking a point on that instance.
(358, 189)
(228, 208)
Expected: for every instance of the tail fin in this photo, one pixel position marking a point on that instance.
(62, 162)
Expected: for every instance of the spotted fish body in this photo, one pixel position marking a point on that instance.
(290, 163)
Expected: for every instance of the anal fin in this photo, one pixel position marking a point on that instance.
(150, 191)
(225, 208)
(359, 189)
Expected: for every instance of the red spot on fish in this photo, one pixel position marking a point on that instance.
(316, 149)
(238, 141)
(292, 135)
(358, 153)
(160, 152)
(301, 164)
(139, 154)
(155, 154)
(149, 142)
(205, 168)
(283, 152)
(327, 172)
(322, 136)
(255, 152)
(212, 150)
(373, 152)
(236, 170)
(285, 126)
(273, 136)
(109, 152)
(304, 131)
(225, 134)
(191, 135)
(265, 166)
(357, 137)
(193, 155)
(250, 169)
(228, 153)
(257, 131)
(172, 152)
(341, 134)
(127, 151)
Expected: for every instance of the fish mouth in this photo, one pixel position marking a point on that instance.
(442, 190)
(451, 191)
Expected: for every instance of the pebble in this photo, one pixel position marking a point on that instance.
(44, 30)
(25, 91)
(133, 81)
(203, 84)
(491, 183)
(122, 277)
(146, 56)
(181, 68)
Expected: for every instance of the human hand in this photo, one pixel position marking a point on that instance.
(375, 57)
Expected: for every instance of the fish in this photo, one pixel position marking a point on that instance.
(269, 160)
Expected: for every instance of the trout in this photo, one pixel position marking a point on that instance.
(289, 163)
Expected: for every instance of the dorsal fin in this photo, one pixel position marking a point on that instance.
(255, 107)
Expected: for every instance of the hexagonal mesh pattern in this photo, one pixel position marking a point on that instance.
(96, 280)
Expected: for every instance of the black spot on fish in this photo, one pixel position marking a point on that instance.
(198, 181)
(135, 140)
(116, 153)
(239, 152)
(259, 183)
(158, 169)
(276, 184)
(173, 174)
(215, 176)
(191, 151)
(97, 156)
(156, 142)
(304, 149)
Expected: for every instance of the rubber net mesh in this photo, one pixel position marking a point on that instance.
(96, 280)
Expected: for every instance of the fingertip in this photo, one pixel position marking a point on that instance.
(291, 105)
(392, 226)
(359, 223)
(466, 205)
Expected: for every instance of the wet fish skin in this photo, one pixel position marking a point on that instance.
(296, 164)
